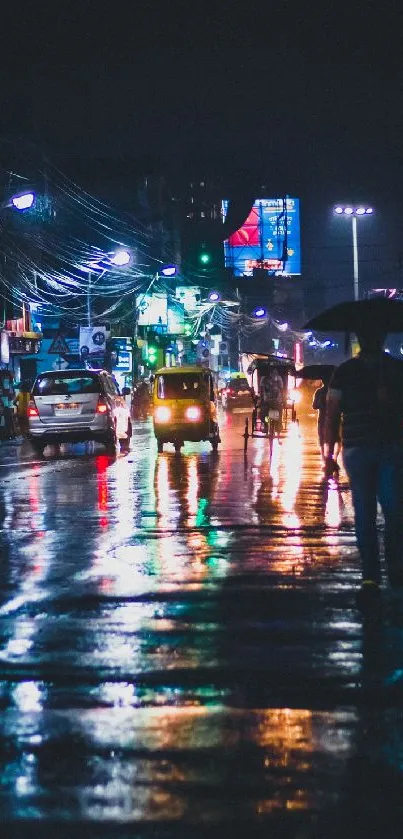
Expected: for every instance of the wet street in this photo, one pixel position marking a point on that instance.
(181, 654)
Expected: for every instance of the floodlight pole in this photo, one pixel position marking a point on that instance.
(355, 256)
(352, 211)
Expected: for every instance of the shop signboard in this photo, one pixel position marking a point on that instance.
(4, 348)
(152, 310)
(92, 342)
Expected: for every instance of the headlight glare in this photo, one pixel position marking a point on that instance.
(162, 413)
(193, 413)
(294, 395)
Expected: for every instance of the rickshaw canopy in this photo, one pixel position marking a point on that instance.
(255, 365)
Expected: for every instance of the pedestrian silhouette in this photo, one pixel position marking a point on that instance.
(366, 394)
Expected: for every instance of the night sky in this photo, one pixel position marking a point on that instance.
(304, 101)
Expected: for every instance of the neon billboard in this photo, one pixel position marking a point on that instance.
(269, 238)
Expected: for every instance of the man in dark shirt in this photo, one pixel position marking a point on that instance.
(366, 394)
(272, 395)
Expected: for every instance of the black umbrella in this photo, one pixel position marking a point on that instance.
(377, 314)
(316, 371)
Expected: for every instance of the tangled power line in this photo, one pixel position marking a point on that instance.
(49, 255)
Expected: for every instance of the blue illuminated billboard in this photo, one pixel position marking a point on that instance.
(269, 238)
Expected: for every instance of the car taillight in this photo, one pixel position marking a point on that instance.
(32, 409)
(102, 407)
(230, 391)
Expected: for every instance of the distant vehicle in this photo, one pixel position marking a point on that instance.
(70, 406)
(236, 394)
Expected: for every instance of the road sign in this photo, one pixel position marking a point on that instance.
(59, 346)
(73, 345)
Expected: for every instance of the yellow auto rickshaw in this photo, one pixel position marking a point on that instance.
(185, 406)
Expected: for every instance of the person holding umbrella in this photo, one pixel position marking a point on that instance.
(366, 396)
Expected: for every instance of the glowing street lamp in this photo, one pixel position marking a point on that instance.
(214, 297)
(353, 212)
(259, 312)
(23, 201)
(121, 258)
(168, 270)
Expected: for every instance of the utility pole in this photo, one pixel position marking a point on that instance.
(89, 298)
(238, 295)
(135, 366)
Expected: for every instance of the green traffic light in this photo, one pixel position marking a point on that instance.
(152, 354)
(205, 258)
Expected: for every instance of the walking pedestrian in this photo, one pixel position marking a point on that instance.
(366, 394)
(319, 405)
(21, 403)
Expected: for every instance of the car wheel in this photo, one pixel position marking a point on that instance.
(110, 443)
(110, 447)
(38, 448)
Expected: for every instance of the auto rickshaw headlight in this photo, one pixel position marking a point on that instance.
(294, 395)
(193, 413)
(162, 413)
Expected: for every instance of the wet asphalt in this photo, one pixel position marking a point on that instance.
(180, 650)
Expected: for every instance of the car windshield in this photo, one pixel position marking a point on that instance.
(179, 386)
(57, 385)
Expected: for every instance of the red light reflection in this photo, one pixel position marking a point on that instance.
(102, 462)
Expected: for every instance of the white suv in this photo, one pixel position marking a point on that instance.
(70, 406)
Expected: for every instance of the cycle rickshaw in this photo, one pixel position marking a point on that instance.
(275, 421)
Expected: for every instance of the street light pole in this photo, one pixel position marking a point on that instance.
(19, 202)
(103, 262)
(355, 257)
(89, 298)
(354, 212)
